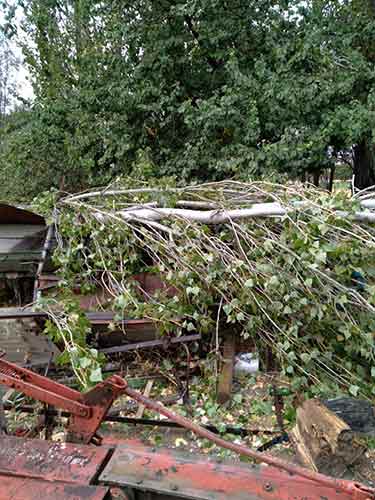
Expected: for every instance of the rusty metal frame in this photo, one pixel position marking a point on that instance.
(116, 418)
(51, 461)
(20, 488)
(87, 410)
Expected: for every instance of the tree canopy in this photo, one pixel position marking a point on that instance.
(203, 90)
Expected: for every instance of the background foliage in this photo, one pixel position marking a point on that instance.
(202, 90)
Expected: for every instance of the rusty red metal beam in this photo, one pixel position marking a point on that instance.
(41, 388)
(95, 318)
(20, 488)
(116, 418)
(101, 318)
(171, 472)
(62, 462)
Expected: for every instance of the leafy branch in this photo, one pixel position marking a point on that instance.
(285, 277)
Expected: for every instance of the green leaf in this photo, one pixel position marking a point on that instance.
(321, 257)
(85, 362)
(274, 281)
(122, 301)
(96, 375)
(354, 389)
(237, 398)
(167, 365)
(227, 309)
(305, 357)
(342, 300)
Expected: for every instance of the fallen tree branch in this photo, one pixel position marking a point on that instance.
(277, 261)
(207, 216)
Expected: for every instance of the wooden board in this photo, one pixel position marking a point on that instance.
(147, 392)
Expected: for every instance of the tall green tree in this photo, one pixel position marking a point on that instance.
(8, 67)
(205, 90)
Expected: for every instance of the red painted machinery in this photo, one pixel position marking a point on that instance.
(29, 468)
(86, 410)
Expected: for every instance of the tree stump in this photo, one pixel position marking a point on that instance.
(323, 441)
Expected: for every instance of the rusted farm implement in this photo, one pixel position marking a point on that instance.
(78, 469)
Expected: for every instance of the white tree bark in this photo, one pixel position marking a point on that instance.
(205, 216)
(150, 215)
(370, 203)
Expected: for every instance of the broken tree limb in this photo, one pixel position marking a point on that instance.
(225, 187)
(220, 216)
(151, 216)
(213, 205)
(323, 441)
(251, 263)
(204, 210)
(46, 248)
(205, 216)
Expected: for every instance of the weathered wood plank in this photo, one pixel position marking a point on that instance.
(147, 392)
(225, 382)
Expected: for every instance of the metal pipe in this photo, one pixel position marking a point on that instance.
(150, 343)
(113, 417)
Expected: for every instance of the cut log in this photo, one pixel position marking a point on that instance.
(323, 441)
